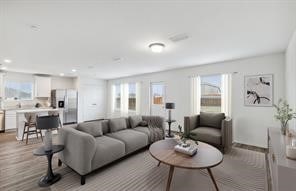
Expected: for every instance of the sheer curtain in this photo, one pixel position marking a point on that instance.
(195, 95)
(138, 98)
(226, 94)
(124, 100)
(112, 109)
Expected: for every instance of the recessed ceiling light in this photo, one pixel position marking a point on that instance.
(62, 74)
(7, 61)
(157, 47)
(3, 68)
(116, 59)
(74, 70)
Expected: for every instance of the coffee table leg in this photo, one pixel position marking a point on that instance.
(213, 179)
(170, 178)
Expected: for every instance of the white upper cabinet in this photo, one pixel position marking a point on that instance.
(42, 86)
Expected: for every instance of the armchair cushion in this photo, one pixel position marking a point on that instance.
(207, 134)
(211, 119)
(93, 128)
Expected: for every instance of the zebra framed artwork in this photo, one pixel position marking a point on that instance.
(259, 90)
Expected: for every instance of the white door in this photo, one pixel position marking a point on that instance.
(94, 107)
(157, 99)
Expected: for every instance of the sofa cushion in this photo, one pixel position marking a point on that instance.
(207, 134)
(117, 124)
(135, 120)
(105, 126)
(107, 150)
(133, 140)
(94, 128)
(143, 130)
(211, 119)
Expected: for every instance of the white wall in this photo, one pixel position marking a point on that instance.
(291, 76)
(62, 83)
(250, 123)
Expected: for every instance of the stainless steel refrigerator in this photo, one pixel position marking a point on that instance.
(68, 100)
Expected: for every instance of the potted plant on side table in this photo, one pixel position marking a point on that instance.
(284, 114)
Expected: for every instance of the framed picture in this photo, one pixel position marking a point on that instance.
(259, 90)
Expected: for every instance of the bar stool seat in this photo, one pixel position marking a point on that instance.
(30, 127)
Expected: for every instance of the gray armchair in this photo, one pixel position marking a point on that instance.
(212, 128)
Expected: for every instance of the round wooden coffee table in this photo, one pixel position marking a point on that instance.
(206, 157)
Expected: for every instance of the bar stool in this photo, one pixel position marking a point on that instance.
(30, 127)
(56, 113)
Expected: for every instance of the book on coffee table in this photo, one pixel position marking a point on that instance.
(189, 150)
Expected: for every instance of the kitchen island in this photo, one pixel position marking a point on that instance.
(20, 119)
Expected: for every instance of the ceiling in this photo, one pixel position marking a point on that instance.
(109, 39)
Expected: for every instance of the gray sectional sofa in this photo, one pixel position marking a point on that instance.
(91, 145)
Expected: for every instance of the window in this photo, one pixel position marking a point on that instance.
(117, 96)
(18, 90)
(210, 93)
(157, 94)
(132, 96)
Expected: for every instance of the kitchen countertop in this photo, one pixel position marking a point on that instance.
(23, 108)
(33, 110)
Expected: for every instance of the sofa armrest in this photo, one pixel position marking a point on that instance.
(156, 121)
(227, 133)
(190, 123)
(79, 149)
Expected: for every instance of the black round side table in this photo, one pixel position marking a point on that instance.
(50, 178)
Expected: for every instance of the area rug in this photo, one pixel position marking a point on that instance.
(241, 170)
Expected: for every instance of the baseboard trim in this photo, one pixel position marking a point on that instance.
(250, 147)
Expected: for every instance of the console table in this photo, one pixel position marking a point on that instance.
(282, 169)
(50, 178)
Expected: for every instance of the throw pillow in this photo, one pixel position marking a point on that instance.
(143, 124)
(93, 128)
(117, 124)
(135, 120)
(211, 119)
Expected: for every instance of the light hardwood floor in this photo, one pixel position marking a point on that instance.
(21, 170)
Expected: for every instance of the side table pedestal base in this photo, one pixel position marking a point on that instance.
(47, 181)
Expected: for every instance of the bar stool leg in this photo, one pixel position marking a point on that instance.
(41, 135)
(28, 134)
(36, 132)
(24, 132)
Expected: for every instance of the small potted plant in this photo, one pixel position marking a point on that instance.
(284, 114)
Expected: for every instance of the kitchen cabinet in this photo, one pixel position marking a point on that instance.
(42, 86)
(10, 119)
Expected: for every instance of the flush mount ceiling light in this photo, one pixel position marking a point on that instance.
(3, 68)
(74, 70)
(7, 61)
(157, 47)
(62, 74)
